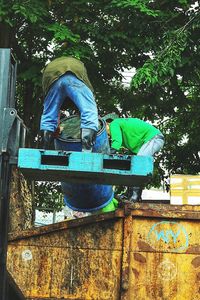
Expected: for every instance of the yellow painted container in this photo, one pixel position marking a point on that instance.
(139, 252)
(185, 189)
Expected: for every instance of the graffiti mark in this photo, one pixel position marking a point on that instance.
(167, 270)
(171, 236)
(27, 255)
(167, 235)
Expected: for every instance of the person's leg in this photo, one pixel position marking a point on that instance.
(148, 149)
(52, 103)
(70, 86)
(153, 146)
(83, 98)
(50, 116)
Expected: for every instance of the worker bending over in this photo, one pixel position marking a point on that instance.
(66, 79)
(139, 137)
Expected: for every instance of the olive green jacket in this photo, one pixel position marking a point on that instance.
(59, 67)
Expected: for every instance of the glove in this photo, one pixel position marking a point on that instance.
(88, 137)
(112, 206)
(47, 139)
(113, 151)
(135, 194)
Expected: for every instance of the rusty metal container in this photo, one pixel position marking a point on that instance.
(141, 251)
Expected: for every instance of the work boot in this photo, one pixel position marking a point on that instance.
(47, 139)
(88, 137)
(135, 194)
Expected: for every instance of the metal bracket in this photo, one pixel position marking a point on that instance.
(12, 135)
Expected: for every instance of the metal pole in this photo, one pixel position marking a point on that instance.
(9, 144)
(5, 173)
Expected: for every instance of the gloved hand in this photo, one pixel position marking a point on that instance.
(47, 139)
(135, 194)
(113, 151)
(88, 137)
(112, 206)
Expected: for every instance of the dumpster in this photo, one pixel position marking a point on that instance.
(141, 251)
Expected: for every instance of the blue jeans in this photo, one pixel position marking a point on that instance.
(69, 86)
(152, 146)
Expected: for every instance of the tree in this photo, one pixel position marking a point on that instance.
(160, 39)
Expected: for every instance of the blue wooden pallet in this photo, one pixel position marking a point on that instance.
(75, 167)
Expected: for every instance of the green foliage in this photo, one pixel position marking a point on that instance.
(48, 195)
(62, 33)
(160, 39)
(160, 69)
(142, 6)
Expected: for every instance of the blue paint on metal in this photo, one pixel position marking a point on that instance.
(167, 236)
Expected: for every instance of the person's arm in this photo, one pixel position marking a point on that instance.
(116, 135)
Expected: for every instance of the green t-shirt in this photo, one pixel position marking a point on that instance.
(59, 67)
(131, 133)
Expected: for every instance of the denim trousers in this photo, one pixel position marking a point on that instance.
(152, 146)
(69, 86)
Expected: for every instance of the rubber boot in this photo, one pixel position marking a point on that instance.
(135, 194)
(88, 137)
(47, 139)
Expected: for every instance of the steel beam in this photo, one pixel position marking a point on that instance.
(11, 138)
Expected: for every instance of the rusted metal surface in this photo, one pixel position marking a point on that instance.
(127, 233)
(165, 253)
(142, 251)
(163, 276)
(166, 211)
(65, 225)
(14, 293)
(79, 262)
(166, 236)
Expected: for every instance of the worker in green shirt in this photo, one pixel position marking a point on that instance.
(65, 79)
(138, 136)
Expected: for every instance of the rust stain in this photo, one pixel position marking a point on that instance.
(193, 249)
(198, 276)
(136, 273)
(196, 262)
(125, 285)
(139, 257)
(145, 246)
